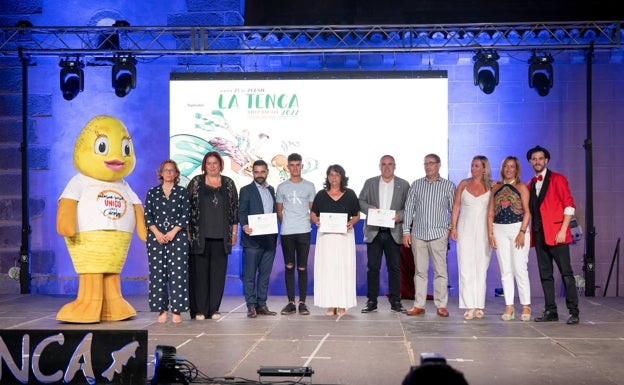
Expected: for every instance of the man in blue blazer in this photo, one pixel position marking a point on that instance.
(388, 192)
(258, 197)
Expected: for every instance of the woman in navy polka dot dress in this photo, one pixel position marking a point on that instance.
(167, 216)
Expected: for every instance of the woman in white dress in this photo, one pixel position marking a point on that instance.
(469, 230)
(334, 254)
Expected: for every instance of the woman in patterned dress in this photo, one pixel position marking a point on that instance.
(166, 217)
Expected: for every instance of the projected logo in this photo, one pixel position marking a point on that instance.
(257, 102)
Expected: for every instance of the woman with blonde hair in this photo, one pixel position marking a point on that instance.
(508, 220)
(469, 230)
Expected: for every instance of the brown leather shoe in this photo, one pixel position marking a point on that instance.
(442, 312)
(264, 310)
(415, 311)
(251, 312)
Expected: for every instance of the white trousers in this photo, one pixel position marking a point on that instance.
(513, 262)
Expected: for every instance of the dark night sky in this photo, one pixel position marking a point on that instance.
(325, 12)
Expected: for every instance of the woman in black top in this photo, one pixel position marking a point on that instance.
(213, 229)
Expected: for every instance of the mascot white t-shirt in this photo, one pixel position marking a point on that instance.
(102, 205)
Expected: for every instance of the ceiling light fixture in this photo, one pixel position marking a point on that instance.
(72, 78)
(123, 75)
(486, 70)
(541, 73)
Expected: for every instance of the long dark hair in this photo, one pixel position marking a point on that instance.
(344, 179)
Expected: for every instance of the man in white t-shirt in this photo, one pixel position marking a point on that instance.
(294, 200)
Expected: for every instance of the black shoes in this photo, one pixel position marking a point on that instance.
(370, 307)
(251, 312)
(289, 309)
(548, 316)
(573, 320)
(264, 310)
(303, 309)
(397, 308)
(551, 316)
(292, 309)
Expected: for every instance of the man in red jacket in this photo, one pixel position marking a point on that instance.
(552, 207)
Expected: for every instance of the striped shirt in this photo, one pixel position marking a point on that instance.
(428, 207)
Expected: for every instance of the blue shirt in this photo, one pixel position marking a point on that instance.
(267, 199)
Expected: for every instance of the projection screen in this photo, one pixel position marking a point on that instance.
(346, 118)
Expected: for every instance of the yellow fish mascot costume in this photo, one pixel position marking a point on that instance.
(97, 215)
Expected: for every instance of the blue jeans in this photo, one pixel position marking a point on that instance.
(257, 266)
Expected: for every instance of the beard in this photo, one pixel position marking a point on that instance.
(260, 180)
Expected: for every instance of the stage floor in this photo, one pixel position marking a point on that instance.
(375, 348)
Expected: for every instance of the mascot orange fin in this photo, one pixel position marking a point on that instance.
(140, 222)
(66, 217)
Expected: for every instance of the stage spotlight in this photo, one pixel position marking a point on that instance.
(541, 73)
(123, 75)
(72, 78)
(165, 367)
(486, 70)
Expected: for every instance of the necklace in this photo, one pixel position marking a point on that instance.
(213, 185)
(215, 198)
(511, 182)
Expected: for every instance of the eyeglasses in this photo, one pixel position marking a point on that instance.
(169, 170)
(430, 164)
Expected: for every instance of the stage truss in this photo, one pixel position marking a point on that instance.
(249, 40)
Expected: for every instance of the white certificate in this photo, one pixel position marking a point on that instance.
(333, 223)
(381, 218)
(262, 224)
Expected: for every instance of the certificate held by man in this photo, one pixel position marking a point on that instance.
(262, 224)
(381, 218)
(333, 223)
